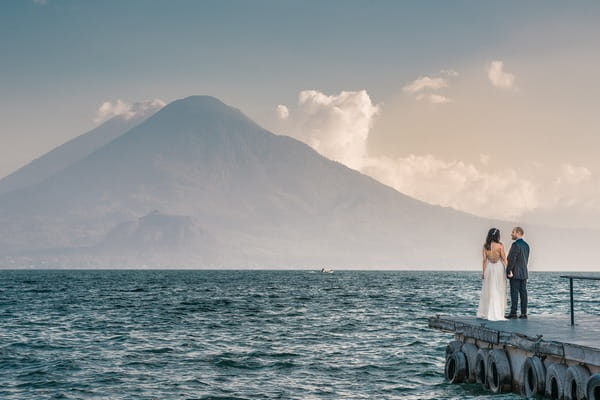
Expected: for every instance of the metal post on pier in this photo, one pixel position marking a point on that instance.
(572, 305)
(571, 277)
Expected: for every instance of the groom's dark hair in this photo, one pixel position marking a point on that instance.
(519, 230)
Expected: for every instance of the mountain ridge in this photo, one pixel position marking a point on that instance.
(265, 200)
(75, 149)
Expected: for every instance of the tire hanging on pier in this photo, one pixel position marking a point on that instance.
(534, 377)
(593, 387)
(481, 367)
(470, 351)
(456, 368)
(555, 381)
(453, 347)
(499, 376)
(576, 382)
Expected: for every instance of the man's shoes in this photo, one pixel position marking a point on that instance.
(523, 316)
(511, 316)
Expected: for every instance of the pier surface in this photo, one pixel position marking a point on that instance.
(548, 334)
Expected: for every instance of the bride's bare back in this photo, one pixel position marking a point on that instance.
(495, 253)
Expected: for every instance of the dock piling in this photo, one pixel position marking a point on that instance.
(542, 355)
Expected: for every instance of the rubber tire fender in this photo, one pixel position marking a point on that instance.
(470, 351)
(576, 382)
(453, 347)
(534, 377)
(456, 368)
(593, 387)
(555, 381)
(499, 375)
(481, 367)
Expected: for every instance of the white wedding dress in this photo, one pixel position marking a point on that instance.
(492, 303)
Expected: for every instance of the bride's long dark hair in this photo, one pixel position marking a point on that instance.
(492, 236)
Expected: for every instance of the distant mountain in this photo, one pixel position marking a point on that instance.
(77, 148)
(199, 184)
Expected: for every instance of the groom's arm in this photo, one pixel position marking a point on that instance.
(513, 255)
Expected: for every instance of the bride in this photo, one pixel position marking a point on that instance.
(493, 291)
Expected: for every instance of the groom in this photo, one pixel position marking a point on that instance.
(516, 271)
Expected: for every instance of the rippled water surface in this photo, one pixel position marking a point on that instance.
(240, 334)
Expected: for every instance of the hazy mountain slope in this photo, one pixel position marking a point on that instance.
(72, 151)
(241, 195)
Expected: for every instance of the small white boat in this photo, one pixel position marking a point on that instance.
(326, 270)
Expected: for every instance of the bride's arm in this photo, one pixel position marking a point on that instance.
(483, 263)
(503, 256)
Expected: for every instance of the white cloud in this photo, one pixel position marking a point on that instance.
(423, 86)
(425, 82)
(110, 109)
(282, 112)
(434, 98)
(336, 126)
(484, 158)
(498, 77)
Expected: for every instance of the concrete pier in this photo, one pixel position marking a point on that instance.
(542, 355)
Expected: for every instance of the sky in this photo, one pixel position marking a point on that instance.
(489, 107)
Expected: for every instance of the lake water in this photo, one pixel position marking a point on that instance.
(241, 334)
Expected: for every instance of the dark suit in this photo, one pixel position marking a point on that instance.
(518, 257)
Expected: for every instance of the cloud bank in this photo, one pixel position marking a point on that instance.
(457, 184)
